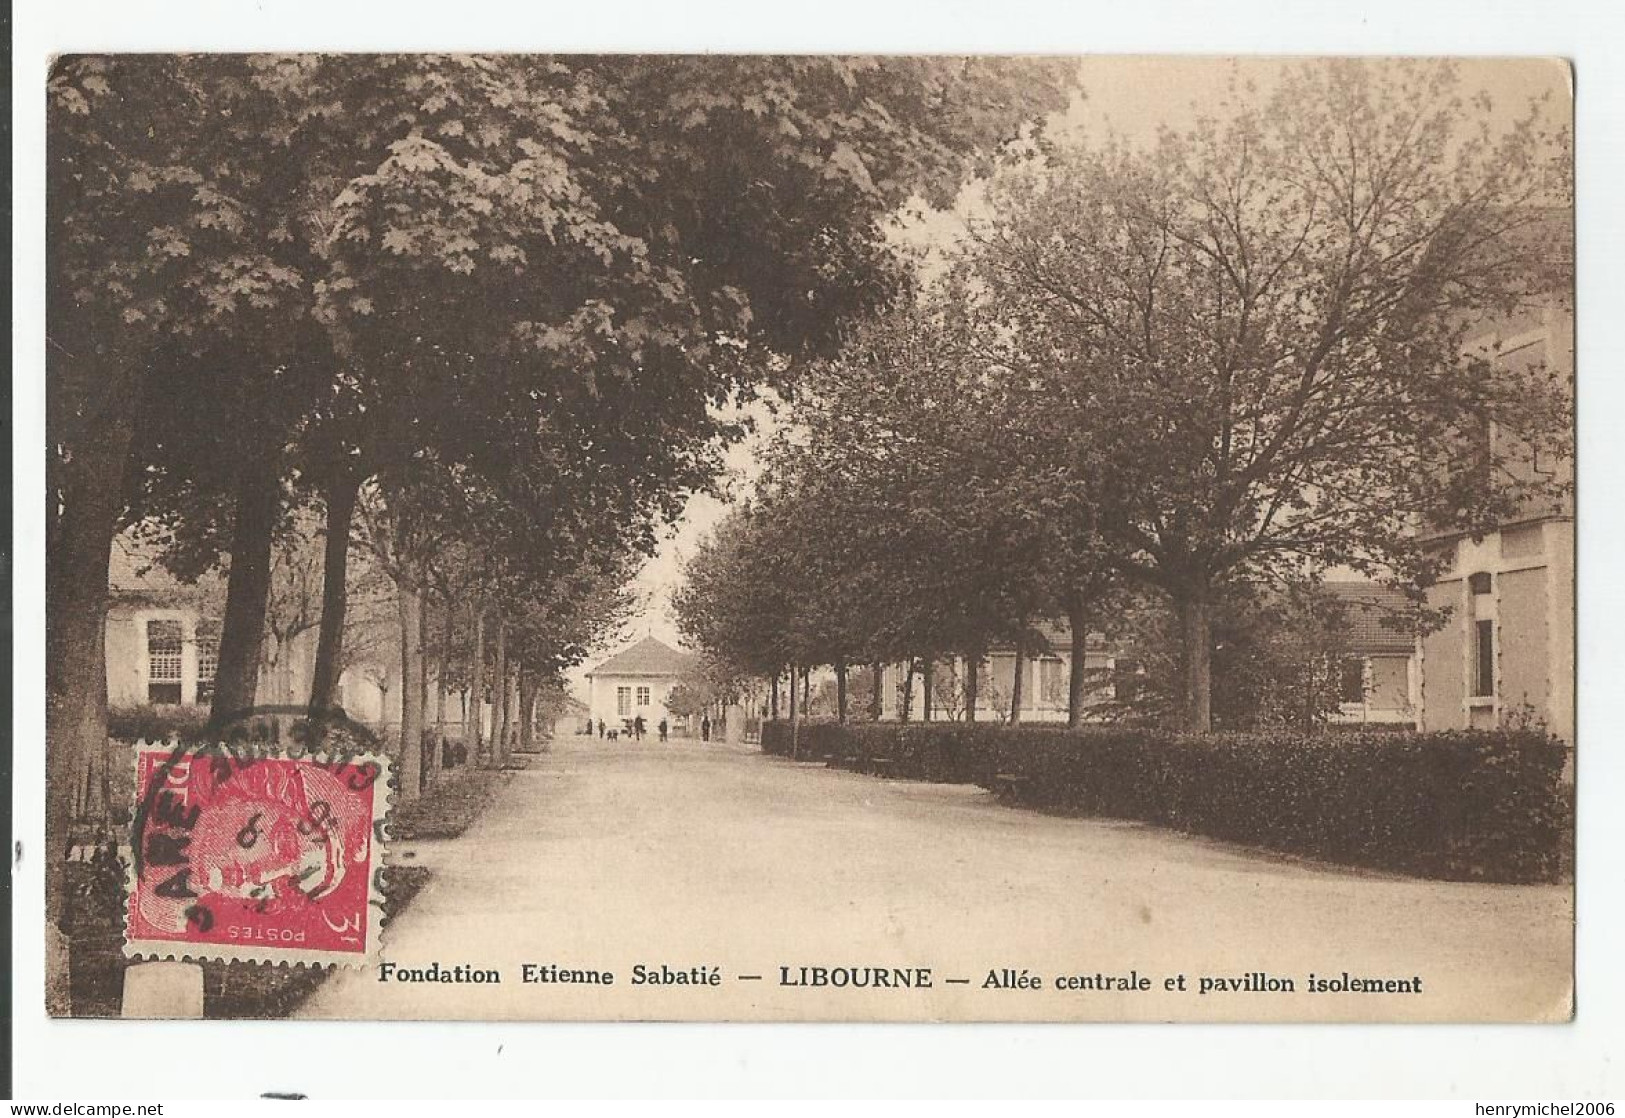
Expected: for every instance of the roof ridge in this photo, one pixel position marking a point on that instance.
(648, 656)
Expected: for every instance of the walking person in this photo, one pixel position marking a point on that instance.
(663, 729)
(705, 728)
(600, 727)
(637, 727)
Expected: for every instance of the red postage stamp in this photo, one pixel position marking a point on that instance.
(237, 853)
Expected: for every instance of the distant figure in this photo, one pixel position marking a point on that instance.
(600, 727)
(705, 728)
(663, 729)
(637, 727)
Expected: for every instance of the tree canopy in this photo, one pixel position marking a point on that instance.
(1246, 353)
(497, 302)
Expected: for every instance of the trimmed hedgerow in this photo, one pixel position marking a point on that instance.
(950, 752)
(157, 723)
(1459, 805)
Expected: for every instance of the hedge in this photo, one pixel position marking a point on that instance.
(1461, 805)
(150, 723)
(157, 723)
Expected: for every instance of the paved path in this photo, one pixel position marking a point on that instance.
(606, 857)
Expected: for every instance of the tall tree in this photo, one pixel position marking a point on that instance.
(1277, 304)
(126, 202)
(587, 252)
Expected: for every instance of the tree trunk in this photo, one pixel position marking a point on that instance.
(1196, 628)
(76, 724)
(324, 677)
(928, 679)
(431, 747)
(1077, 616)
(794, 729)
(527, 710)
(773, 710)
(474, 728)
(806, 691)
(76, 573)
(877, 697)
(512, 720)
(442, 673)
(905, 691)
(1016, 682)
(499, 698)
(247, 585)
(84, 493)
(973, 685)
(407, 605)
(840, 690)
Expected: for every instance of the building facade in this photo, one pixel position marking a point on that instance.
(1045, 679)
(636, 682)
(162, 639)
(1505, 655)
(1379, 683)
(161, 635)
(1376, 671)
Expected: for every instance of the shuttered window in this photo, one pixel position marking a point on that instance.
(208, 658)
(1484, 659)
(164, 662)
(1351, 680)
(1051, 681)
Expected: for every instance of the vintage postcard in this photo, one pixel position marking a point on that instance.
(789, 538)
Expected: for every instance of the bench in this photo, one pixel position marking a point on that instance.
(883, 766)
(845, 761)
(1008, 786)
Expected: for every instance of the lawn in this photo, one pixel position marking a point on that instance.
(448, 807)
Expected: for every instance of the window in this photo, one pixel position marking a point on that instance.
(1351, 680)
(643, 696)
(164, 662)
(623, 701)
(1484, 659)
(208, 658)
(1051, 681)
(1479, 583)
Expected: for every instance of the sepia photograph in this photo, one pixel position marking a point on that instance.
(810, 537)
